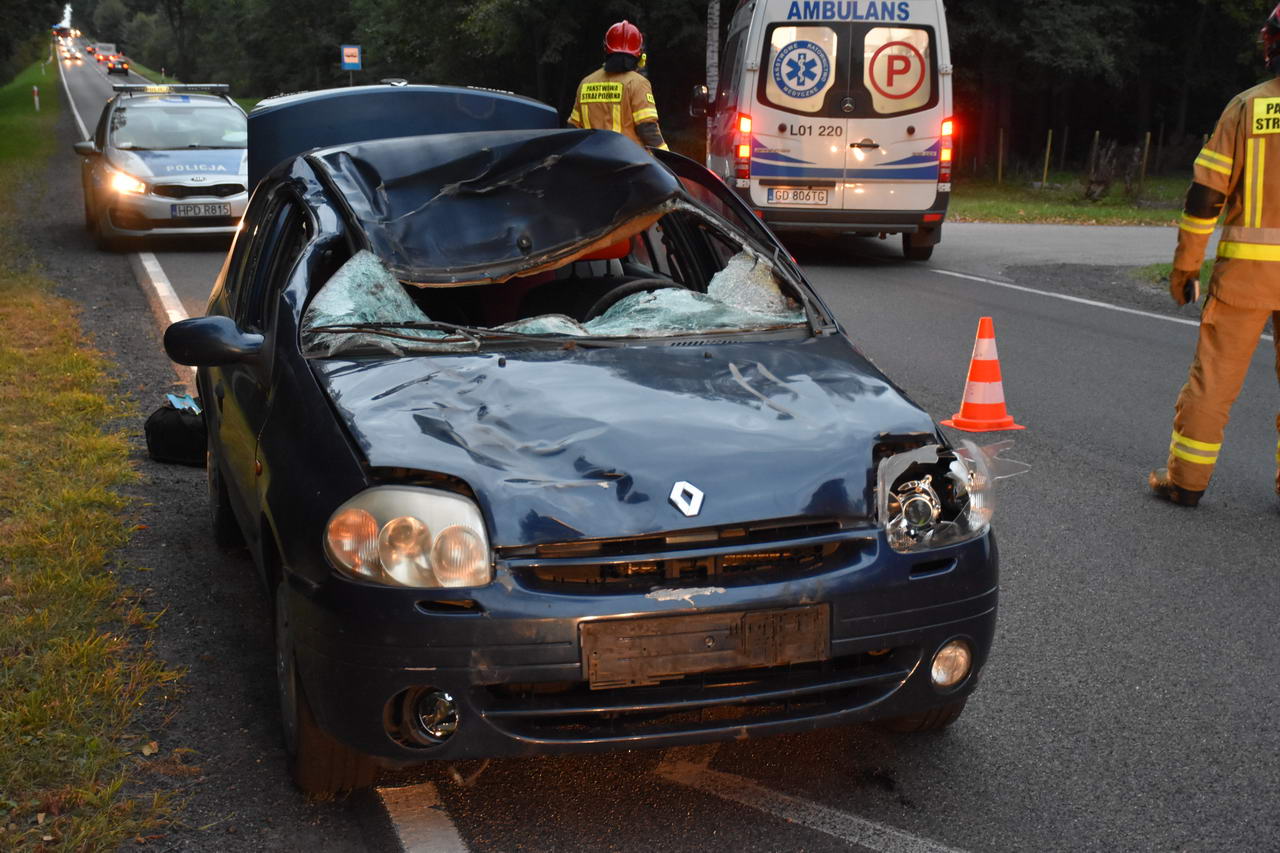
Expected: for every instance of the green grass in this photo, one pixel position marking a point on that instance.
(77, 669)
(1063, 201)
(1156, 273)
(153, 76)
(246, 104)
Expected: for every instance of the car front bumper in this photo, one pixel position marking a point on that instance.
(513, 663)
(147, 215)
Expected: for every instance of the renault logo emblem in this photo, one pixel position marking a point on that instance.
(687, 498)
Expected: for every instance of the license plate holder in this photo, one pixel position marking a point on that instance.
(195, 210)
(646, 651)
(797, 195)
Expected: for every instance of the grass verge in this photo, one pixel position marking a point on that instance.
(1063, 202)
(77, 668)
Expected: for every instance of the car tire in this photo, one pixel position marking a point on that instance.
(90, 217)
(933, 720)
(913, 250)
(101, 236)
(222, 520)
(320, 765)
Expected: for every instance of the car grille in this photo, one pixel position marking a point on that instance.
(183, 191)
(565, 711)
(733, 556)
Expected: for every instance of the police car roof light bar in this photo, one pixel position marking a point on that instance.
(171, 88)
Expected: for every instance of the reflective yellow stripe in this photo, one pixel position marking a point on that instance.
(586, 116)
(1192, 229)
(1248, 182)
(1200, 161)
(1194, 444)
(1209, 154)
(1248, 251)
(617, 118)
(1260, 170)
(646, 114)
(1187, 457)
(1199, 220)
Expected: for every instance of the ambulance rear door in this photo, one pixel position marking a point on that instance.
(798, 130)
(895, 124)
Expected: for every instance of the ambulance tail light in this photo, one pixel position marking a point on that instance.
(946, 144)
(742, 150)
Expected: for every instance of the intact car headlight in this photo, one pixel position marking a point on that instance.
(934, 496)
(410, 536)
(124, 183)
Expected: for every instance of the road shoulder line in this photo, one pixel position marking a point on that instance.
(421, 823)
(1079, 300)
(84, 134)
(165, 305)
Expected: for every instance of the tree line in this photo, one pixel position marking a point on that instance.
(1119, 67)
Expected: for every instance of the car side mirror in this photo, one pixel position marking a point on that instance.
(211, 342)
(85, 148)
(698, 101)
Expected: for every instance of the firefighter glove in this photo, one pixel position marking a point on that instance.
(1184, 286)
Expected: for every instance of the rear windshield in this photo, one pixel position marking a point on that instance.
(848, 70)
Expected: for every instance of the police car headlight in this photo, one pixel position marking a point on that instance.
(933, 496)
(412, 537)
(126, 184)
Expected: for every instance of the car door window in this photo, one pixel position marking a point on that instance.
(269, 265)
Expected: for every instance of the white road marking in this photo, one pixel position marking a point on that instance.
(688, 766)
(421, 823)
(165, 304)
(1077, 299)
(84, 134)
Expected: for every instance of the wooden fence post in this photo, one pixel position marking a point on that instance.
(1048, 150)
(1142, 171)
(1000, 158)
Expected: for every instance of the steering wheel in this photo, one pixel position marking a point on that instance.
(622, 291)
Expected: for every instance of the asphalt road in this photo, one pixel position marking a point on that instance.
(1127, 705)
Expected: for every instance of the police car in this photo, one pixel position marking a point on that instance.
(165, 161)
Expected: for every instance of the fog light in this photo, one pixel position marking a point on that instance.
(436, 715)
(951, 664)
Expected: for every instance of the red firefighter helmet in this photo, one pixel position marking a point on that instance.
(1271, 41)
(624, 37)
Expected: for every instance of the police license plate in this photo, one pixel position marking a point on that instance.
(796, 195)
(179, 211)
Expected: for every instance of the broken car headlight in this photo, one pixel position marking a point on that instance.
(934, 496)
(408, 536)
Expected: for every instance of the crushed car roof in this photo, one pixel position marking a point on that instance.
(468, 208)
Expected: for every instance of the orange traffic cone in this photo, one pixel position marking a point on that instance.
(982, 409)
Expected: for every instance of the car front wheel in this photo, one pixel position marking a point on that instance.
(321, 766)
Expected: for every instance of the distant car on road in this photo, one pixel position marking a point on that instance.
(541, 442)
(89, 48)
(165, 161)
(117, 65)
(103, 50)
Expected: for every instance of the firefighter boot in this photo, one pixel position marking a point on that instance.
(1163, 487)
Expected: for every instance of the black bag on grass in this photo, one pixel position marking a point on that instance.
(176, 432)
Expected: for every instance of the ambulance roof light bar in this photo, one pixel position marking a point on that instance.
(171, 88)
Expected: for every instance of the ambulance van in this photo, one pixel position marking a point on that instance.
(835, 116)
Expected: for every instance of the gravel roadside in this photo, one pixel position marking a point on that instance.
(215, 621)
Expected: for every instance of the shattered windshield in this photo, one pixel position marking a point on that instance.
(364, 307)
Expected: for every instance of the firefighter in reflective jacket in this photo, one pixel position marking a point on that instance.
(616, 96)
(1239, 169)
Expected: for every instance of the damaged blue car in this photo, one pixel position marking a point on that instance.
(542, 443)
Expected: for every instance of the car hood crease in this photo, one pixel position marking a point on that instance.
(562, 444)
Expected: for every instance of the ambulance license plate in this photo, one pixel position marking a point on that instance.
(179, 211)
(797, 195)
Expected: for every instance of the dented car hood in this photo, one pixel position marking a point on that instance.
(466, 208)
(577, 443)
